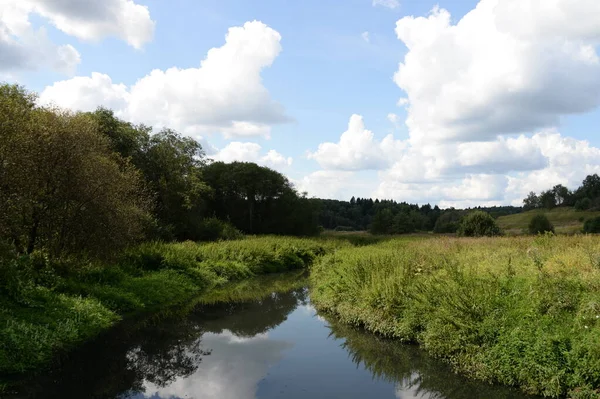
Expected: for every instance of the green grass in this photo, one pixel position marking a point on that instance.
(520, 311)
(565, 220)
(43, 317)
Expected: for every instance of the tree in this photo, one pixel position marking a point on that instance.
(258, 200)
(63, 189)
(590, 187)
(382, 222)
(172, 166)
(562, 195)
(583, 204)
(478, 224)
(540, 224)
(448, 222)
(548, 199)
(531, 202)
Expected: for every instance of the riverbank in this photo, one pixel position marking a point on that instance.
(516, 311)
(48, 308)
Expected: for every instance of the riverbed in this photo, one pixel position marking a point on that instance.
(276, 346)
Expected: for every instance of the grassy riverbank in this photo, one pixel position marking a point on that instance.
(517, 311)
(48, 308)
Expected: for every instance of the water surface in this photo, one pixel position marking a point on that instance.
(274, 347)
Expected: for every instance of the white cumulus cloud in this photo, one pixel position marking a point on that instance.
(508, 66)
(24, 48)
(252, 152)
(357, 149)
(95, 20)
(225, 94)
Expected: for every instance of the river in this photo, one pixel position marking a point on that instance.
(277, 346)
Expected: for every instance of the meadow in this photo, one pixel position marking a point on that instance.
(519, 311)
(47, 308)
(566, 220)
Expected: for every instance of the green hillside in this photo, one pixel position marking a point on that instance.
(565, 220)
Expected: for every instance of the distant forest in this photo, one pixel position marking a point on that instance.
(391, 217)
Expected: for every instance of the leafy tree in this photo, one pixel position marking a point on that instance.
(540, 224)
(548, 199)
(258, 200)
(478, 224)
(583, 204)
(63, 189)
(531, 202)
(172, 166)
(448, 222)
(562, 195)
(382, 222)
(590, 187)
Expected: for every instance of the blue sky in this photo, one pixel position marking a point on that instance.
(497, 104)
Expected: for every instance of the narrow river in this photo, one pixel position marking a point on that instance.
(274, 347)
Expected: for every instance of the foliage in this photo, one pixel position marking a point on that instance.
(478, 224)
(39, 321)
(213, 229)
(584, 197)
(592, 225)
(516, 311)
(583, 204)
(258, 200)
(62, 188)
(565, 220)
(540, 224)
(448, 222)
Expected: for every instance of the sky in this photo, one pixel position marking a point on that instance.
(455, 102)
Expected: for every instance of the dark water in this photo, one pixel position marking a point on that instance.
(275, 347)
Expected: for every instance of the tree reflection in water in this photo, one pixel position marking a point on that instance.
(410, 368)
(126, 359)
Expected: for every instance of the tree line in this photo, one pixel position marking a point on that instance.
(91, 183)
(585, 197)
(391, 217)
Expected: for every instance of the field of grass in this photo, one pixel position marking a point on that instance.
(47, 309)
(565, 220)
(519, 311)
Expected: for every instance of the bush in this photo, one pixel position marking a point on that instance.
(214, 229)
(592, 225)
(583, 204)
(344, 228)
(478, 224)
(540, 224)
(448, 222)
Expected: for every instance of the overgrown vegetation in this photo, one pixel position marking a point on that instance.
(540, 224)
(585, 197)
(48, 307)
(478, 224)
(517, 311)
(565, 220)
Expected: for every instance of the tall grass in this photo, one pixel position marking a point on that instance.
(517, 311)
(40, 317)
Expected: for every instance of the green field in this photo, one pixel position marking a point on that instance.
(565, 220)
(519, 311)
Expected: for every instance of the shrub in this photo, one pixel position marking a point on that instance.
(478, 224)
(214, 229)
(448, 222)
(592, 225)
(583, 204)
(540, 224)
(344, 228)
